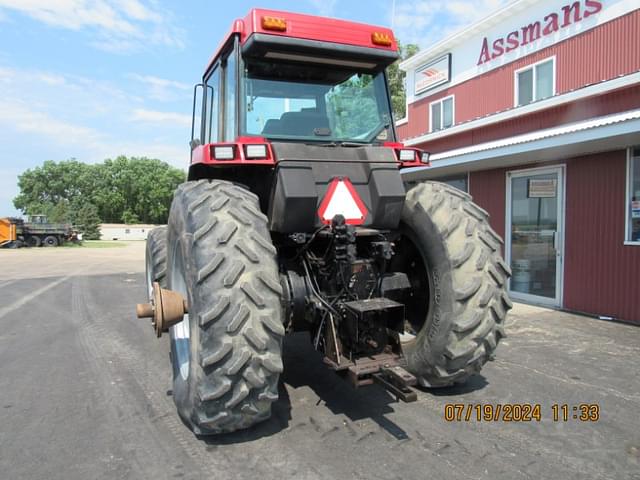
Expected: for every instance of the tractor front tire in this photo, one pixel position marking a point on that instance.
(462, 303)
(156, 258)
(227, 356)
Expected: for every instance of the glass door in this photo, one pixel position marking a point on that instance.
(535, 214)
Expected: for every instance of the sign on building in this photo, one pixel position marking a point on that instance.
(542, 188)
(433, 74)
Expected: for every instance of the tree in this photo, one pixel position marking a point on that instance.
(88, 222)
(129, 217)
(132, 189)
(396, 78)
(43, 188)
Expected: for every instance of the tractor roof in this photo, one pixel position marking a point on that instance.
(310, 28)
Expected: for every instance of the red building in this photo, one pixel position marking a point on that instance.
(535, 110)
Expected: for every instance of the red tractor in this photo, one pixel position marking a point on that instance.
(295, 218)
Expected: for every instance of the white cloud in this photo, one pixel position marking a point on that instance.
(138, 11)
(77, 139)
(86, 118)
(163, 89)
(24, 118)
(118, 25)
(155, 116)
(325, 8)
(426, 22)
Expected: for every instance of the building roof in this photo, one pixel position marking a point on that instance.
(599, 134)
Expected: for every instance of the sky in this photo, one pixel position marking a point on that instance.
(94, 79)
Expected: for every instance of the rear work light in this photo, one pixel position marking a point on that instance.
(407, 155)
(256, 151)
(383, 39)
(224, 153)
(424, 158)
(274, 23)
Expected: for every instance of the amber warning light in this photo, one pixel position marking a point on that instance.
(379, 38)
(274, 23)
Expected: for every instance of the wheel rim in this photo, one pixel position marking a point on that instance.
(150, 280)
(180, 331)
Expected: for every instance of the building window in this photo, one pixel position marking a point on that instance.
(459, 181)
(535, 82)
(633, 196)
(442, 114)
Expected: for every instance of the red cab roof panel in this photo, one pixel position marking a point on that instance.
(311, 27)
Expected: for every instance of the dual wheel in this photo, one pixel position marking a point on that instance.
(48, 241)
(226, 353)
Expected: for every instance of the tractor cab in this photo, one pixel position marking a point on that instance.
(283, 77)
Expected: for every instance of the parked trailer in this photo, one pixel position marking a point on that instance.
(9, 228)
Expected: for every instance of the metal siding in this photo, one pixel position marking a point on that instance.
(601, 274)
(488, 191)
(614, 102)
(402, 130)
(612, 49)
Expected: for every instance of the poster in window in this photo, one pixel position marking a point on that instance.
(542, 188)
(432, 74)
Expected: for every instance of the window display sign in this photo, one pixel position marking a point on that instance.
(542, 188)
(433, 74)
(635, 209)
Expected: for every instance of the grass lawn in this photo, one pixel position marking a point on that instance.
(95, 244)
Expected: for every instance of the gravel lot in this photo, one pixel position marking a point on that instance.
(85, 393)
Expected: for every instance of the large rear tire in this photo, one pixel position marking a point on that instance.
(156, 258)
(226, 353)
(459, 300)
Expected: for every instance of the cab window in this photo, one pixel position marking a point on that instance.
(211, 109)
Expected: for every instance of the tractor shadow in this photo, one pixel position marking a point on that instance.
(304, 368)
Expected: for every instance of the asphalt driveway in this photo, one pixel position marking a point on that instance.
(85, 392)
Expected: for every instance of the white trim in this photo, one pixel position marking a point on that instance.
(627, 198)
(632, 244)
(534, 78)
(404, 120)
(453, 113)
(585, 92)
(560, 169)
(457, 38)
